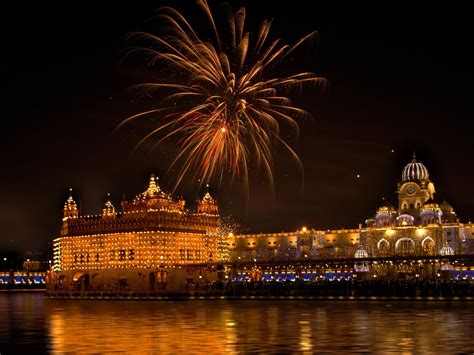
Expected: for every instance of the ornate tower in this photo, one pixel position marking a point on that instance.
(207, 205)
(414, 189)
(70, 208)
(109, 210)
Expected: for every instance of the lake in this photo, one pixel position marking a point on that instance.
(31, 323)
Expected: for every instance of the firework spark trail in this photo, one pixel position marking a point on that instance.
(224, 114)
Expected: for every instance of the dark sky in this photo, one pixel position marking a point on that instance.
(400, 78)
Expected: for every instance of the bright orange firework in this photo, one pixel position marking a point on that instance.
(226, 114)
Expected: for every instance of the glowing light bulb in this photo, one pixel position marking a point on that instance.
(223, 129)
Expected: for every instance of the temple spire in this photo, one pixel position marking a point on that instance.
(153, 187)
(109, 209)
(207, 204)
(70, 207)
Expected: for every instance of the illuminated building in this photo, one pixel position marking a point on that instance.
(141, 248)
(418, 226)
(155, 245)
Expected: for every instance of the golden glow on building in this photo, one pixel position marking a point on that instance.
(152, 232)
(419, 226)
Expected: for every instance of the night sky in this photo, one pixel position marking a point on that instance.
(400, 78)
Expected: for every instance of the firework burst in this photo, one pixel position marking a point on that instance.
(225, 112)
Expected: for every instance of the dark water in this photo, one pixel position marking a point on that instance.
(30, 323)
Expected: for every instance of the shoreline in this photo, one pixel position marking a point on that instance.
(265, 298)
(23, 290)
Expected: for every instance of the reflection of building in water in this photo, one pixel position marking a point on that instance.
(145, 328)
(152, 237)
(418, 226)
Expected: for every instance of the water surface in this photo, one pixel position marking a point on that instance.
(30, 323)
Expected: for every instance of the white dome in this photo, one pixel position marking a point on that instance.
(446, 250)
(361, 253)
(415, 171)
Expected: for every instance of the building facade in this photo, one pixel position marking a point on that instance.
(417, 226)
(156, 245)
(146, 245)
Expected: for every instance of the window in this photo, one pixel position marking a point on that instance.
(75, 258)
(97, 257)
(182, 254)
(198, 254)
(405, 246)
(122, 255)
(87, 258)
(82, 258)
(190, 254)
(131, 254)
(112, 255)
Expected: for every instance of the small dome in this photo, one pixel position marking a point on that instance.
(431, 203)
(446, 207)
(152, 192)
(361, 253)
(207, 204)
(415, 171)
(70, 207)
(385, 205)
(109, 209)
(385, 210)
(208, 198)
(446, 250)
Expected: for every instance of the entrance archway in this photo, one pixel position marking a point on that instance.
(151, 281)
(81, 281)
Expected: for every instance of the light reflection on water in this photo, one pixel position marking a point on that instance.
(30, 323)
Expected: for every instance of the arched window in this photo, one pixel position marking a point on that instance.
(383, 246)
(405, 246)
(428, 246)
